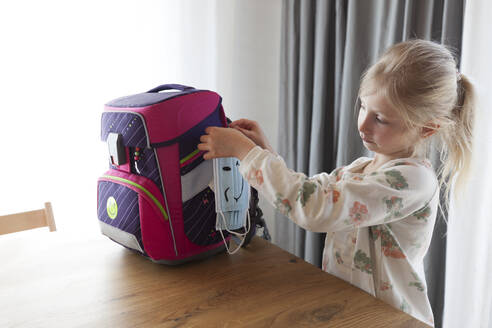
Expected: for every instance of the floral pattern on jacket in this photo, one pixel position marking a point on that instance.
(378, 225)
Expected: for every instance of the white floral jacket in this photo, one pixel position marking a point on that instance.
(379, 225)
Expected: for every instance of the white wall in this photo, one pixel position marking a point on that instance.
(255, 77)
(60, 61)
(245, 56)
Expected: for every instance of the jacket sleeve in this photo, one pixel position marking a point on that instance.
(335, 202)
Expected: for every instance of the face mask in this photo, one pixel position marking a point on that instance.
(231, 198)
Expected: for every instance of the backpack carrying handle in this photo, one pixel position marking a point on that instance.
(171, 87)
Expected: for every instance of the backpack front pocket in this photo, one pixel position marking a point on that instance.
(120, 210)
(199, 219)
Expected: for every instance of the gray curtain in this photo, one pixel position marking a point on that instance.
(326, 45)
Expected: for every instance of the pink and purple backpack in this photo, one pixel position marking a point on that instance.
(155, 198)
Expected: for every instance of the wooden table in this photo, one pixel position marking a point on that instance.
(60, 279)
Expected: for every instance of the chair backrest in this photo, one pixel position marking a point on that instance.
(28, 220)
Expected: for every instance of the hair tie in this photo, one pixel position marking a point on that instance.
(460, 91)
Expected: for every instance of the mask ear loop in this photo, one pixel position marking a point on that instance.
(239, 235)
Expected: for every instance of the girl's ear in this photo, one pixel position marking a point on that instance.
(429, 129)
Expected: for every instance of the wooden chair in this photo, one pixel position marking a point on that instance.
(28, 220)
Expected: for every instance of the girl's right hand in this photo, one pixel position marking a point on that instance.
(252, 130)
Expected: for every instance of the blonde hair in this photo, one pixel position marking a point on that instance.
(420, 80)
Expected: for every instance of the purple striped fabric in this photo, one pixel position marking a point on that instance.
(129, 125)
(128, 218)
(190, 140)
(199, 219)
(146, 165)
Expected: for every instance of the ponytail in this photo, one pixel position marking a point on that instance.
(457, 139)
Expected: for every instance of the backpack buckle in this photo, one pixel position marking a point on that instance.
(116, 149)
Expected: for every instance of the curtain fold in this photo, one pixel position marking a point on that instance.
(468, 284)
(325, 47)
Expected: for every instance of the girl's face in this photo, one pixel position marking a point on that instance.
(382, 130)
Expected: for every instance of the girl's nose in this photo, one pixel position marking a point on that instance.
(364, 124)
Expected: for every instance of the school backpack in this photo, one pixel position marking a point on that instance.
(155, 198)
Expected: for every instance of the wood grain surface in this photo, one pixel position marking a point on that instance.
(65, 280)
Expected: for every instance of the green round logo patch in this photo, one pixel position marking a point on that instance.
(112, 207)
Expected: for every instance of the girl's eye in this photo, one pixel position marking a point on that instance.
(380, 120)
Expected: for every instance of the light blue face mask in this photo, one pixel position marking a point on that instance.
(231, 197)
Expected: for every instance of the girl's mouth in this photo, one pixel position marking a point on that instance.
(367, 140)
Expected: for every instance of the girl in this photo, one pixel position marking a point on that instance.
(378, 212)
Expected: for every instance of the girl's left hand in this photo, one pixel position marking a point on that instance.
(224, 142)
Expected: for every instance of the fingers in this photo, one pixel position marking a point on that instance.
(237, 123)
(203, 147)
(243, 123)
(207, 149)
(247, 133)
(204, 138)
(209, 153)
(219, 142)
(212, 129)
(206, 143)
(207, 156)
